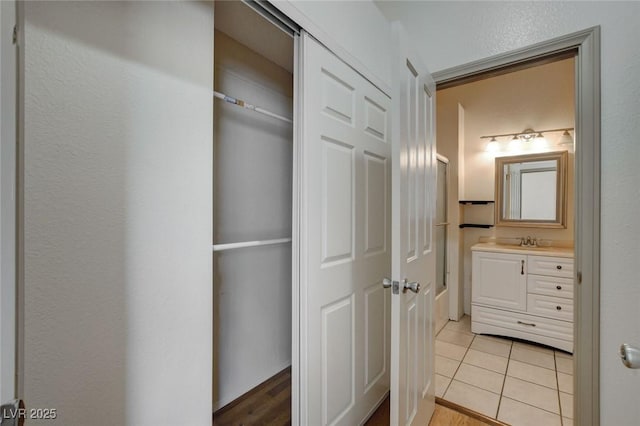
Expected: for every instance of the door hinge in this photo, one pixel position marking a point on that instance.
(579, 277)
(15, 34)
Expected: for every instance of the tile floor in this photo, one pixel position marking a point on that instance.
(515, 382)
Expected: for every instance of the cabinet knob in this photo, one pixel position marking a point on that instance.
(559, 267)
(559, 287)
(559, 308)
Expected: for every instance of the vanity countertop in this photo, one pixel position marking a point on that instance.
(509, 248)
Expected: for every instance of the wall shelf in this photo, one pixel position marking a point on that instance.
(465, 203)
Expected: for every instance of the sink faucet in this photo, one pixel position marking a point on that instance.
(528, 241)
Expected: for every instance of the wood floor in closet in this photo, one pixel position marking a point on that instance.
(270, 404)
(267, 404)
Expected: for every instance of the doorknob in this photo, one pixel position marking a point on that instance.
(395, 286)
(630, 356)
(414, 286)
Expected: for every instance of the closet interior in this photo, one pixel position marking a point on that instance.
(252, 217)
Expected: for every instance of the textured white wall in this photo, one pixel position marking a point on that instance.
(454, 33)
(356, 28)
(117, 181)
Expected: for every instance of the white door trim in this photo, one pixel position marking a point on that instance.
(587, 206)
(8, 150)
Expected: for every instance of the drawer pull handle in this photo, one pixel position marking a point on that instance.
(559, 267)
(559, 308)
(559, 287)
(527, 323)
(522, 267)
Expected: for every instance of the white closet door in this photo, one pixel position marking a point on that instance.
(412, 316)
(345, 241)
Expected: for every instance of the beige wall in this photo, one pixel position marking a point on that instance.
(538, 98)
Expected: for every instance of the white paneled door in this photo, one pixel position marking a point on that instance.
(413, 254)
(345, 241)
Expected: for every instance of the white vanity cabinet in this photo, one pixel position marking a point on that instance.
(523, 293)
(501, 280)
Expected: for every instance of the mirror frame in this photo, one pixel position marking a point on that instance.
(561, 190)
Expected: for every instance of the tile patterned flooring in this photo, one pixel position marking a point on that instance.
(515, 382)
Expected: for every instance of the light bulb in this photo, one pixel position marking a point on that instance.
(514, 145)
(540, 141)
(566, 138)
(493, 146)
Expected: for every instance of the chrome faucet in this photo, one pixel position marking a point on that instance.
(528, 241)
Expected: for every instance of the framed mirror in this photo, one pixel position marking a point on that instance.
(531, 190)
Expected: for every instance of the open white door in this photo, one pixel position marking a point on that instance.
(344, 168)
(413, 258)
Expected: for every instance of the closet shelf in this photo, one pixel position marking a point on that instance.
(244, 244)
(475, 225)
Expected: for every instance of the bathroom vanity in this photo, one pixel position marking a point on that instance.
(523, 292)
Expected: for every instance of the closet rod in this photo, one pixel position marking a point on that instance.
(246, 105)
(231, 246)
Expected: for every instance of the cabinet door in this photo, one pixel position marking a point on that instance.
(499, 280)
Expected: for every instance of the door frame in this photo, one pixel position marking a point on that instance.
(586, 378)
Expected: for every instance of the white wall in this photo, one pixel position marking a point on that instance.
(117, 215)
(356, 31)
(253, 160)
(8, 96)
(454, 33)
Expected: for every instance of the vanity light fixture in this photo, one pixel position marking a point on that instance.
(528, 135)
(540, 141)
(566, 138)
(493, 145)
(514, 145)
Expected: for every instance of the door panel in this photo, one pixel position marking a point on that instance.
(413, 259)
(344, 233)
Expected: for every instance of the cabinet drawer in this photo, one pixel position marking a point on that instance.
(550, 286)
(553, 307)
(524, 323)
(553, 266)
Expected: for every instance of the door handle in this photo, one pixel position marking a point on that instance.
(630, 356)
(394, 285)
(522, 267)
(414, 286)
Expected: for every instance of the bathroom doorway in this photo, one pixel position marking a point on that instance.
(499, 359)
